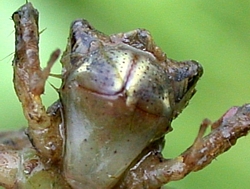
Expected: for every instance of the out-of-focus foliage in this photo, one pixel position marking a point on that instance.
(216, 33)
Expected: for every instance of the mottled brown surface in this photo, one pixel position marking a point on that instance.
(137, 118)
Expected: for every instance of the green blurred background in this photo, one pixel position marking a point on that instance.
(216, 33)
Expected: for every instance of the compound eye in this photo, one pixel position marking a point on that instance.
(148, 87)
(105, 71)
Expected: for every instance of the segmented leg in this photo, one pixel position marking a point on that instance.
(29, 81)
(140, 39)
(155, 171)
(23, 169)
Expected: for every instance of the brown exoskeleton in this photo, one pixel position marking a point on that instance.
(118, 97)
